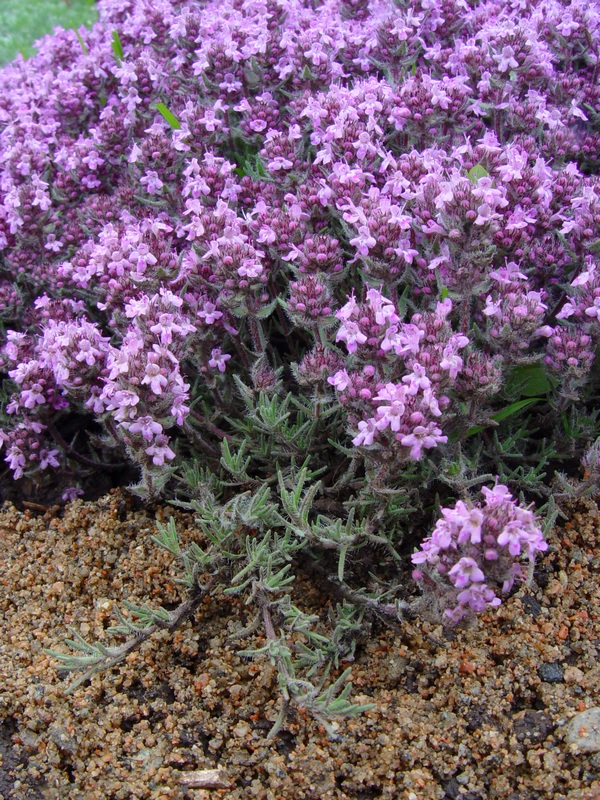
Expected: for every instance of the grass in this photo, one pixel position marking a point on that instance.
(23, 23)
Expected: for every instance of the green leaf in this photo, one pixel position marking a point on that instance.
(266, 310)
(513, 408)
(477, 172)
(250, 164)
(342, 562)
(528, 380)
(167, 537)
(401, 305)
(117, 46)
(82, 43)
(235, 463)
(168, 116)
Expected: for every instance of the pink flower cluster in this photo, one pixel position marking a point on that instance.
(400, 197)
(475, 551)
(423, 359)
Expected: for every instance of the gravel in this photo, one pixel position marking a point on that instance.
(476, 713)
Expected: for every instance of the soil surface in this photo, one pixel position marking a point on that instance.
(477, 713)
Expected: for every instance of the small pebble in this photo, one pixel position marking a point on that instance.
(241, 729)
(205, 778)
(551, 673)
(531, 606)
(583, 732)
(573, 675)
(532, 726)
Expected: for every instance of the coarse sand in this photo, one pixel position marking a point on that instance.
(475, 713)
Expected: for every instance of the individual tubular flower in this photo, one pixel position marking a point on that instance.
(160, 451)
(218, 360)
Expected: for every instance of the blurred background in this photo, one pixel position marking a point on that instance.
(22, 22)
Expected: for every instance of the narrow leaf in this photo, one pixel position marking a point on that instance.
(82, 43)
(168, 116)
(342, 562)
(514, 407)
(117, 46)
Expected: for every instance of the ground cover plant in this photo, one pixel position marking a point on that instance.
(325, 274)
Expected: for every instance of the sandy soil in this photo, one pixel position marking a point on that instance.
(473, 714)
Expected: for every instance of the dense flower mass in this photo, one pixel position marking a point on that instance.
(389, 210)
(473, 551)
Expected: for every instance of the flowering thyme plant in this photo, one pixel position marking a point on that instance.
(312, 269)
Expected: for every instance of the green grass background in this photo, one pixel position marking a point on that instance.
(22, 22)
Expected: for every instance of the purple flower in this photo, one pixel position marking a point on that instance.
(71, 493)
(512, 536)
(465, 571)
(209, 313)
(218, 360)
(497, 496)
(422, 437)
(155, 376)
(350, 333)
(367, 430)
(506, 59)
(341, 380)
(160, 450)
(477, 597)
(48, 458)
(466, 522)
(146, 426)
(391, 414)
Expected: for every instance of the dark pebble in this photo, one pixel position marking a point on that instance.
(551, 673)
(532, 726)
(531, 606)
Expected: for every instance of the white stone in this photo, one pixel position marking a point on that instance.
(583, 731)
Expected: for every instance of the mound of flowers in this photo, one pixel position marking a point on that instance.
(323, 266)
